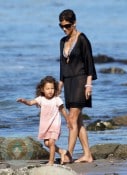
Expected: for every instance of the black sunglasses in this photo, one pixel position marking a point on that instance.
(67, 26)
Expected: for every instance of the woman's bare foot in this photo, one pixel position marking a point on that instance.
(83, 159)
(50, 163)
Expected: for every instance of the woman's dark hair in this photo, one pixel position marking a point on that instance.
(40, 86)
(67, 15)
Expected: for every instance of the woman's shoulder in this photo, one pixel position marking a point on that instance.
(84, 39)
(63, 39)
(83, 36)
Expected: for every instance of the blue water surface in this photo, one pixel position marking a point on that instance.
(29, 50)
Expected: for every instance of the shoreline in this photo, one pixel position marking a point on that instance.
(97, 167)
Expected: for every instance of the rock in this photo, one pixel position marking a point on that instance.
(102, 151)
(21, 149)
(4, 165)
(114, 123)
(50, 170)
(122, 61)
(1, 141)
(100, 125)
(40, 170)
(113, 70)
(103, 59)
(4, 126)
(7, 171)
(107, 151)
(86, 117)
(121, 152)
(122, 120)
(124, 84)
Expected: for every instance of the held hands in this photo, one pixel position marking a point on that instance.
(69, 125)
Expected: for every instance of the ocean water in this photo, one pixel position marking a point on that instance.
(29, 50)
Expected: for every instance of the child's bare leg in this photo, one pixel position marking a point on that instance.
(61, 152)
(50, 143)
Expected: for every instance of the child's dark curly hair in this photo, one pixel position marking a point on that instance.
(40, 86)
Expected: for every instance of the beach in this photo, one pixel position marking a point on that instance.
(28, 53)
(29, 50)
(98, 167)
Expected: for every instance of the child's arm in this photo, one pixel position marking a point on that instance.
(64, 113)
(27, 102)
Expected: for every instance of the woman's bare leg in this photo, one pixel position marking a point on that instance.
(87, 157)
(73, 133)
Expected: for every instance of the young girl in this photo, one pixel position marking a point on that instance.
(50, 120)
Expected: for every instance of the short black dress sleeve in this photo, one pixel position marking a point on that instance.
(87, 57)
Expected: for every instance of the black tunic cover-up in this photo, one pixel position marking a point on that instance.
(74, 74)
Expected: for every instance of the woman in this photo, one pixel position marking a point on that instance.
(77, 71)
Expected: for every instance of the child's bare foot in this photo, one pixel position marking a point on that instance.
(62, 155)
(67, 157)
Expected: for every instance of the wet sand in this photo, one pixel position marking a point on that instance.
(98, 167)
(101, 167)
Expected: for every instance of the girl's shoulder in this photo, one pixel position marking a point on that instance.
(40, 97)
(58, 99)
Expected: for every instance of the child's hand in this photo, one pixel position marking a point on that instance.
(69, 125)
(22, 100)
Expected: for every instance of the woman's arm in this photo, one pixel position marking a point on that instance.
(87, 56)
(88, 87)
(64, 113)
(60, 86)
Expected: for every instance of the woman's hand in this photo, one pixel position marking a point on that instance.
(88, 87)
(60, 85)
(88, 92)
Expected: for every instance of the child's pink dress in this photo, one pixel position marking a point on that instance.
(50, 118)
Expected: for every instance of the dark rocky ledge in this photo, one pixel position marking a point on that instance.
(109, 151)
(113, 70)
(100, 59)
(101, 125)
